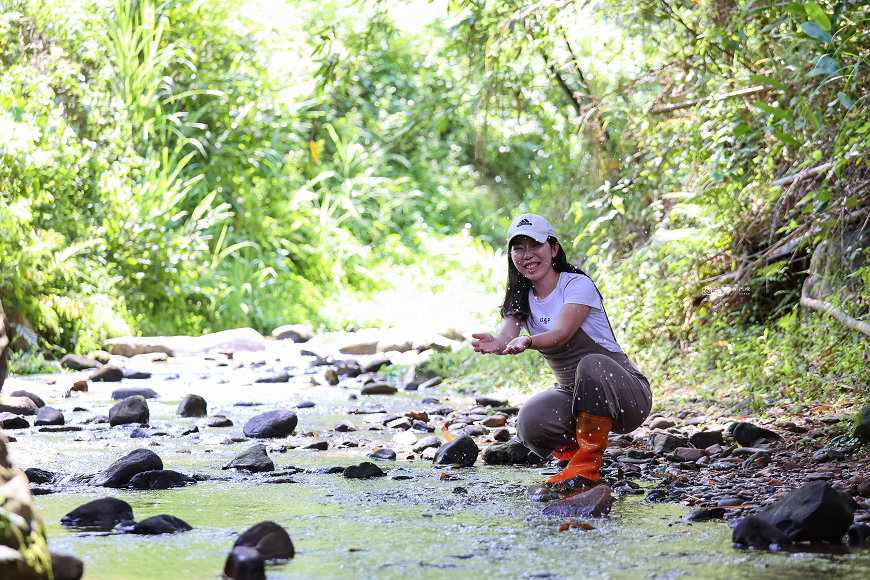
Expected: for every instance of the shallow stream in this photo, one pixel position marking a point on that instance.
(476, 523)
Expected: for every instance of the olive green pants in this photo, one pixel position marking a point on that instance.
(603, 388)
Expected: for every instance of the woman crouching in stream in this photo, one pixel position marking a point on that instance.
(598, 390)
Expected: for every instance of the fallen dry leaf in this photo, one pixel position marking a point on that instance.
(568, 525)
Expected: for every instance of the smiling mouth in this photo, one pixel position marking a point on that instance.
(532, 268)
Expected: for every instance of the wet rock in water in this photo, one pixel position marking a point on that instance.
(345, 426)
(18, 406)
(49, 416)
(318, 446)
(161, 479)
(122, 471)
(77, 362)
(861, 426)
(729, 501)
(305, 405)
(462, 451)
(271, 424)
(663, 443)
(136, 375)
(162, 524)
(422, 427)
(279, 377)
(13, 421)
(664, 422)
(365, 470)
(327, 470)
(107, 374)
(507, 453)
(101, 514)
(192, 406)
(245, 564)
(501, 435)
(474, 430)
(541, 492)
(269, 539)
(131, 410)
(379, 389)
(78, 387)
(430, 384)
(704, 439)
(747, 433)
(704, 514)
(35, 398)
(754, 532)
(252, 459)
(858, 535)
(426, 443)
(402, 423)
(215, 421)
(375, 365)
(298, 333)
(383, 454)
(39, 476)
(66, 567)
(491, 401)
(814, 512)
(595, 503)
(122, 393)
(139, 433)
(429, 454)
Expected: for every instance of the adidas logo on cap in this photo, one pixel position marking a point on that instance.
(524, 222)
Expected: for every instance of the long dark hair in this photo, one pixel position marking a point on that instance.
(516, 296)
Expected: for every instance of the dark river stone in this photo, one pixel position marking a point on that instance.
(462, 451)
(595, 503)
(160, 479)
(254, 459)
(124, 392)
(245, 564)
(192, 406)
(754, 532)
(49, 416)
(36, 475)
(814, 512)
(13, 421)
(77, 362)
(132, 409)
(122, 471)
(66, 567)
(365, 470)
(383, 454)
(162, 524)
(107, 374)
(379, 389)
(269, 539)
(102, 514)
(35, 398)
(271, 424)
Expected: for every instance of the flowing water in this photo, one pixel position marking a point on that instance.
(476, 523)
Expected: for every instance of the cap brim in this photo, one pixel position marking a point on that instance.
(538, 237)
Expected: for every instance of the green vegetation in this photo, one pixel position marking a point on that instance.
(194, 166)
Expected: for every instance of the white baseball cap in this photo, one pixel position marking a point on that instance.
(532, 225)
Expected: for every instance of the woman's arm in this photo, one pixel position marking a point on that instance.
(489, 344)
(567, 324)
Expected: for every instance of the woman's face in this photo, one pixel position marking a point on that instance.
(533, 259)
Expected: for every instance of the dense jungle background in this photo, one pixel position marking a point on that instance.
(197, 165)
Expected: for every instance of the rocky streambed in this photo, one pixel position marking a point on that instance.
(355, 481)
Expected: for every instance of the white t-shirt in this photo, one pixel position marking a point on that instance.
(572, 289)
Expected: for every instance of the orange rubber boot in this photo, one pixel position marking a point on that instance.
(583, 468)
(566, 451)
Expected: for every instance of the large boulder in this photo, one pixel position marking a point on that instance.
(239, 339)
(122, 471)
(131, 410)
(271, 424)
(24, 552)
(462, 451)
(192, 406)
(815, 512)
(107, 374)
(101, 514)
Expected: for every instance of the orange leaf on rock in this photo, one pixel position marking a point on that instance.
(568, 525)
